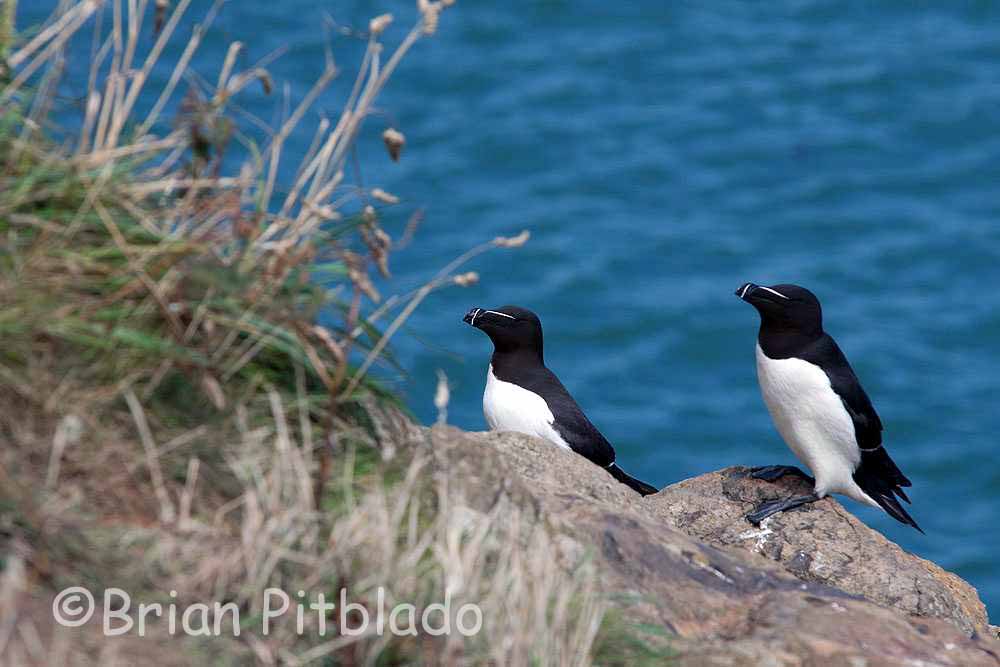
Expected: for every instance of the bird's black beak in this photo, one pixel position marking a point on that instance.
(470, 317)
(745, 290)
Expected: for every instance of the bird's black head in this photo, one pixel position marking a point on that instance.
(785, 307)
(511, 328)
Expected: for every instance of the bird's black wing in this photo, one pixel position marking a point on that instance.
(826, 354)
(570, 422)
(574, 427)
(877, 474)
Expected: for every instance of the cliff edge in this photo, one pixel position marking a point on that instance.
(809, 587)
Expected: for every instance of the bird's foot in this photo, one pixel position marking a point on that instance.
(772, 507)
(774, 473)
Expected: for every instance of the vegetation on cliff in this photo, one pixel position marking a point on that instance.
(174, 418)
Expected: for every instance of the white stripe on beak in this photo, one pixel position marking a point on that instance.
(475, 315)
(773, 292)
(746, 289)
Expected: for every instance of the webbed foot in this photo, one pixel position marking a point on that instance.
(772, 507)
(774, 473)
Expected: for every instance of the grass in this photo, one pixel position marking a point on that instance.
(173, 418)
(623, 643)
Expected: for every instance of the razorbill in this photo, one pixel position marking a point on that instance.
(523, 395)
(819, 407)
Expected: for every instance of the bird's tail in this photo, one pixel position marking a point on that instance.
(639, 487)
(881, 479)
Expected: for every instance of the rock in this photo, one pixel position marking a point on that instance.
(819, 543)
(677, 561)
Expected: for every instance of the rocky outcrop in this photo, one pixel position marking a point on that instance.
(819, 543)
(815, 587)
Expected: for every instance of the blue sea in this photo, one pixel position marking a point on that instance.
(661, 154)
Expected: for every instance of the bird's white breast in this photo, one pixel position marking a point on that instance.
(812, 419)
(509, 407)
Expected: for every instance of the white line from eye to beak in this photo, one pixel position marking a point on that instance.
(774, 292)
(510, 317)
(746, 289)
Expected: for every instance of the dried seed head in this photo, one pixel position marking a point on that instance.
(325, 211)
(379, 24)
(382, 262)
(160, 15)
(378, 243)
(368, 214)
(383, 238)
(394, 142)
(265, 80)
(380, 256)
(384, 197)
(512, 241)
(466, 279)
(431, 18)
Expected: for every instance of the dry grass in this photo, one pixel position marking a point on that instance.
(389, 524)
(173, 418)
(416, 538)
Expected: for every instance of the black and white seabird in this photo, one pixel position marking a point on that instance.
(523, 395)
(819, 407)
